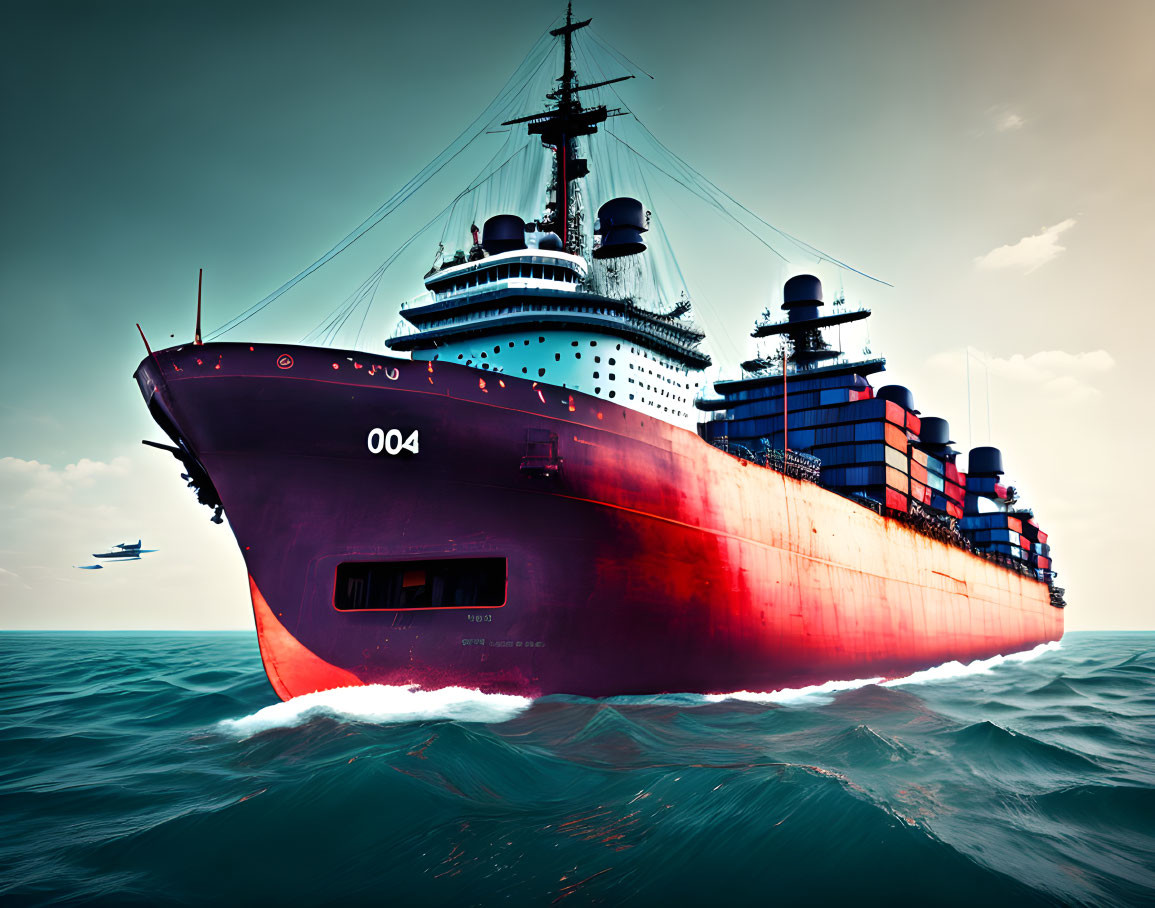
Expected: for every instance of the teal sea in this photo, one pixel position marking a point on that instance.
(160, 769)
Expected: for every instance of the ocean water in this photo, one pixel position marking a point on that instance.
(156, 769)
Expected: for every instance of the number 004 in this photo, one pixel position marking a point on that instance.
(390, 441)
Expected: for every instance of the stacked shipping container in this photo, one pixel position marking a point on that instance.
(871, 444)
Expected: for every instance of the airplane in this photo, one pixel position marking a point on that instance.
(124, 551)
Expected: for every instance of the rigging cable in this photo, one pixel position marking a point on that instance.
(485, 118)
(801, 244)
(336, 320)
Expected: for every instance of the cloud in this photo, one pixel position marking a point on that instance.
(33, 482)
(1007, 120)
(1061, 375)
(1030, 252)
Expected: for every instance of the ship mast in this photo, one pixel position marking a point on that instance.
(559, 128)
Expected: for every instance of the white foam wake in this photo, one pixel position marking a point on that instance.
(382, 704)
(791, 694)
(947, 671)
(951, 670)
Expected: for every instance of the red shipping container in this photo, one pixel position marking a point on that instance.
(1033, 523)
(917, 471)
(954, 510)
(1014, 524)
(955, 493)
(950, 471)
(962, 479)
(1025, 542)
(918, 456)
(1000, 490)
(1042, 536)
(895, 436)
(913, 423)
(896, 500)
(1044, 562)
(897, 480)
(895, 413)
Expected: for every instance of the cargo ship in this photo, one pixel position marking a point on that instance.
(536, 492)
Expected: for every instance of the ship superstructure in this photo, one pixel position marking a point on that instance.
(522, 300)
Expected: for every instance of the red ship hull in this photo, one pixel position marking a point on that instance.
(650, 561)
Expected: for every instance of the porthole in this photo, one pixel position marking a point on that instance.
(511, 343)
(593, 343)
(577, 356)
(613, 362)
(524, 369)
(612, 376)
(613, 393)
(597, 359)
(631, 397)
(540, 373)
(541, 340)
(596, 375)
(557, 357)
(461, 356)
(485, 365)
(573, 343)
(497, 349)
(597, 390)
(483, 354)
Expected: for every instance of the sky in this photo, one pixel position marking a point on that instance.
(989, 160)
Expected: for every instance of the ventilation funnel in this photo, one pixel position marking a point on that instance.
(503, 233)
(621, 223)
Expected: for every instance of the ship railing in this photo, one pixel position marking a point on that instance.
(790, 463)
(770, 321)
(423, 299)
(793, 463)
